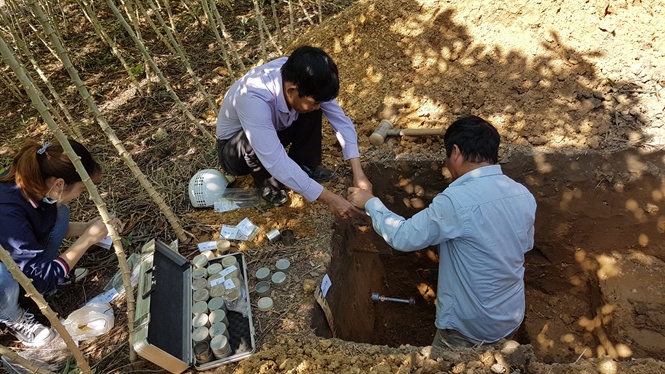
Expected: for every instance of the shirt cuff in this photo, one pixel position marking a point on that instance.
(373, 205)
(62, 264)
(313, 191)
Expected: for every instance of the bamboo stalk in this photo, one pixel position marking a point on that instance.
(220, 42)
(319, 3)
(259, 21)
(19, 38)
(226, 35)
(270, 38)
(228, 4)
(165, 82)
(30, 290)
(133, 18)
(183, 57)
(263, 27)
(304, 10)
(153, 26)
(292, 32)
(4, 351)
(9, 83)
(92, 17)
(18, 11)
(280, 36)
(167, 5)
(191, 12)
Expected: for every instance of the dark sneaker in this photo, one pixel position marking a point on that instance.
(274, 197)
(29, 331)
(319, 173)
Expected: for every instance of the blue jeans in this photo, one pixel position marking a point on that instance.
(9, 287)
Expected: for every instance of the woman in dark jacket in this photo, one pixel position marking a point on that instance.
(34, 220)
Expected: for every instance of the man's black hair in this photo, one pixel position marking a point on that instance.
(314, 72)
(476, 138)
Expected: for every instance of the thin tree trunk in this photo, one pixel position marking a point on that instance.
(14, 357)
(92, 17)
(228, 4)
(226, 35)
(183, 57)
(165, 82)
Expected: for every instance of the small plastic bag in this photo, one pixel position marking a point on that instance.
(91, 320)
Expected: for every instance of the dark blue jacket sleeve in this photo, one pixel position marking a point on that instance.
(17, 237)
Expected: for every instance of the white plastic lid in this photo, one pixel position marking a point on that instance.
(200, 334)
(282, 264)
(218, 315)
(218, 328)
(200, 307)
(262, 273)
(264, 304)
(214, 268)
(201, 295)
(200, 320)
(215, 303)
(278, 278)
(229, 261)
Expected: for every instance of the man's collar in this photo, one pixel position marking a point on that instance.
(482, 171)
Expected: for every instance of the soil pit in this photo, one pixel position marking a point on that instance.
(594, 280)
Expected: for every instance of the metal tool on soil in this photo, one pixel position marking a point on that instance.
(376, 298)
(385, 129)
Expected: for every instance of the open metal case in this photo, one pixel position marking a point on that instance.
(163, 326)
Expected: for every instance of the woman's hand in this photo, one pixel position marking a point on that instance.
(95, 232)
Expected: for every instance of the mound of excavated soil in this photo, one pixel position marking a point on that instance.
(564, 74)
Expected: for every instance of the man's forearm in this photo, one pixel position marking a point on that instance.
(356, 167)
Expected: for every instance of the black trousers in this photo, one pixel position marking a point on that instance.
(237, 157)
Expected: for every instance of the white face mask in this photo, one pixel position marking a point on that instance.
(48, 200)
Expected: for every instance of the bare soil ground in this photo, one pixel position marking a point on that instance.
(576, 89)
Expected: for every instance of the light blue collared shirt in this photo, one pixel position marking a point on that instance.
(483, 224)
(256, 105)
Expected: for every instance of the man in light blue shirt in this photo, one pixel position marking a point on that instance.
(281, 104)
(483, 224)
